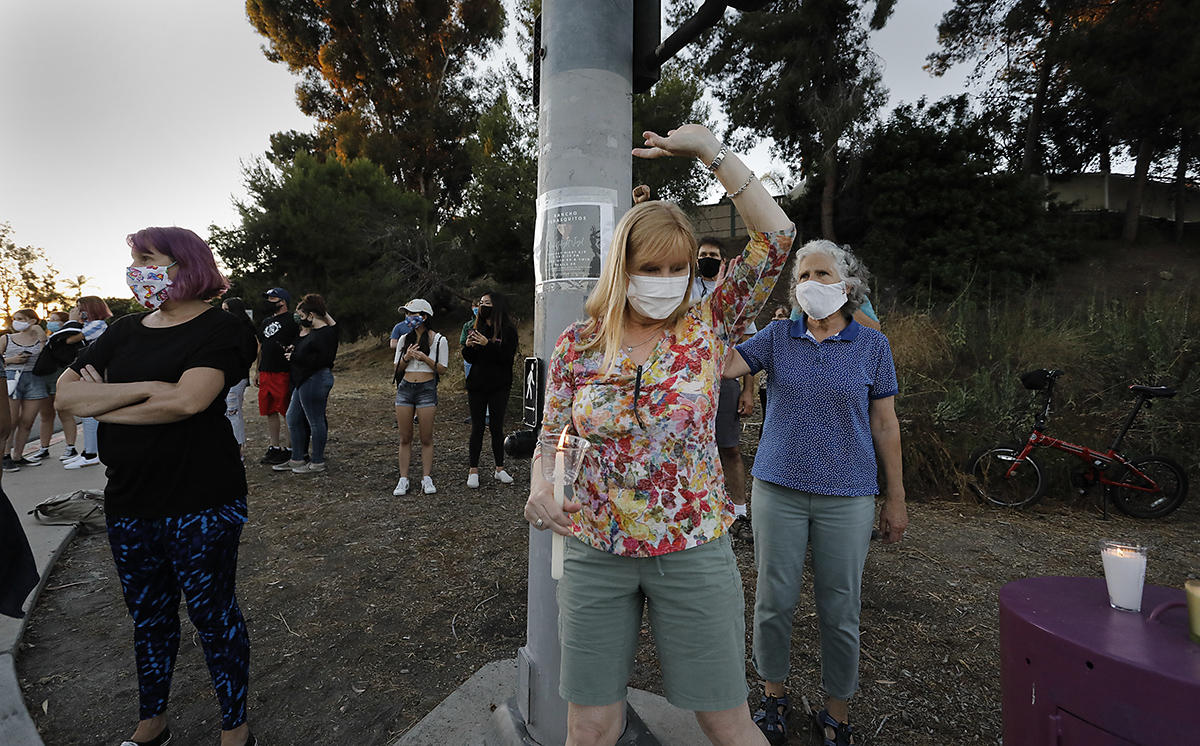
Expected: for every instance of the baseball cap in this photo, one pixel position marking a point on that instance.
(418, 305)
(279, 293)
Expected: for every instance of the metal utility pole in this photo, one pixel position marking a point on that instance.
(585, 123)
(587, 56)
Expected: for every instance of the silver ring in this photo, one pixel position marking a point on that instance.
(538, 523)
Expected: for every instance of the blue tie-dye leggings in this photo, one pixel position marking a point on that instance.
(197, 554)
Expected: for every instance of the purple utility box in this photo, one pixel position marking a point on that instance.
(1075, 672)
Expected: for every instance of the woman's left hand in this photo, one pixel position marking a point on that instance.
(893, 519)
(689, 140)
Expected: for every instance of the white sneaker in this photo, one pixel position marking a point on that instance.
(309, 468)
(401, 487)
(503, 477)
(81, 461)
(473, 481)
(427, 486)
(69, 454)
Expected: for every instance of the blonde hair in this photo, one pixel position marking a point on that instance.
(647, 231)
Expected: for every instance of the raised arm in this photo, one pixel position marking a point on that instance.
(751, 277)
(756, 206)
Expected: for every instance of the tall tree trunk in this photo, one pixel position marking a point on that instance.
(827, 193)
(1140, 173)
(1031, 155)
(1180, 181)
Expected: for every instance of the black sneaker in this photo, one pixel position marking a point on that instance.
(25, 462)
(276, 455)
(42, 454)
(10, 465)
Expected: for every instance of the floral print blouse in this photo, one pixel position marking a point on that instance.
(652, 483)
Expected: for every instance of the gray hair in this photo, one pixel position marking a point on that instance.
(848, 266)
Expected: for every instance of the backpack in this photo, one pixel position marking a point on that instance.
(57, 352)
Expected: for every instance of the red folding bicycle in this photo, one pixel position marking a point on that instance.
(1145, 487)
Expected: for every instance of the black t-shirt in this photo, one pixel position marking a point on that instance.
(176, 468)
(314, 351)
(278, 332)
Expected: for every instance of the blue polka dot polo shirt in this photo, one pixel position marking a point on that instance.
(817, 428)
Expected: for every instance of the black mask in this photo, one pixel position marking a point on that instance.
(485, 313)
(305, 322)
(708, 266)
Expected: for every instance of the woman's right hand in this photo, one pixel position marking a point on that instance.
(689, 141)
(540, 506)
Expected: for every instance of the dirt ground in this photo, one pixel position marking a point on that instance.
(366, 610)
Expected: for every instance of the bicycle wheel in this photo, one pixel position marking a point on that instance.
(1137, 497)
(988, 477)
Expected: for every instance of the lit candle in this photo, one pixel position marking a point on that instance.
(560, 496)
(1125, 573)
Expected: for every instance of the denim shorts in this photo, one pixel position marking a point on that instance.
(417, 395)
(31, 386)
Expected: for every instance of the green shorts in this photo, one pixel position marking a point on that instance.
(697, 615)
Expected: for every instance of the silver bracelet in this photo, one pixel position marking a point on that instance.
(716, 162)
(742, 188)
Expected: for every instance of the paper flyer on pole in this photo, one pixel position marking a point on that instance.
(573, 230)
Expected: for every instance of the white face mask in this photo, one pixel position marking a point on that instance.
(820, 301)
(656, 297)
(20, 325)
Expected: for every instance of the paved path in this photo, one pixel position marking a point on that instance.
(27, 488)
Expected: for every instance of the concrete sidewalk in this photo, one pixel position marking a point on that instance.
(25, 489)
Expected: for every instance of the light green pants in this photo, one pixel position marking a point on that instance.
(694, 601)
(838, 529)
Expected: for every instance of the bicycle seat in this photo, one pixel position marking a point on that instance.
(1037, 380)
(1153, 391)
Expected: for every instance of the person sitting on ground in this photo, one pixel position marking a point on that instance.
(311, 360)
(175, 500)
(421, 357)
(273, 373)
(830, 412)
(490, 349)
(638, 380)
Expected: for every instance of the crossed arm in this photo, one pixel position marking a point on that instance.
(142, 403)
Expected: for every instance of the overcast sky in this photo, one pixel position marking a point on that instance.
(122, 115)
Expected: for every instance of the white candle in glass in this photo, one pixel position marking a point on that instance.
(1125, 573)
(560, 489)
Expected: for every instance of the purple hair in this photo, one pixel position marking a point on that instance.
(197, 277)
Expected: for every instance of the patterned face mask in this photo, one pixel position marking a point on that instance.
(149, 284)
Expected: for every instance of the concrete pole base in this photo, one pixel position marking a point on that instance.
(483, 712)
(507, 729)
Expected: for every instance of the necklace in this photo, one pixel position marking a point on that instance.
(653, 335)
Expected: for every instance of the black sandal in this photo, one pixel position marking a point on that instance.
(843, 734)
(771, 719)
(162, 739)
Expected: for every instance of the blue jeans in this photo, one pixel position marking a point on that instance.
(306, 413)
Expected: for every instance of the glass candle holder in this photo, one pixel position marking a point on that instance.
(1125, 574)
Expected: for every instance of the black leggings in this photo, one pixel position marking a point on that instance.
(493, 403)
